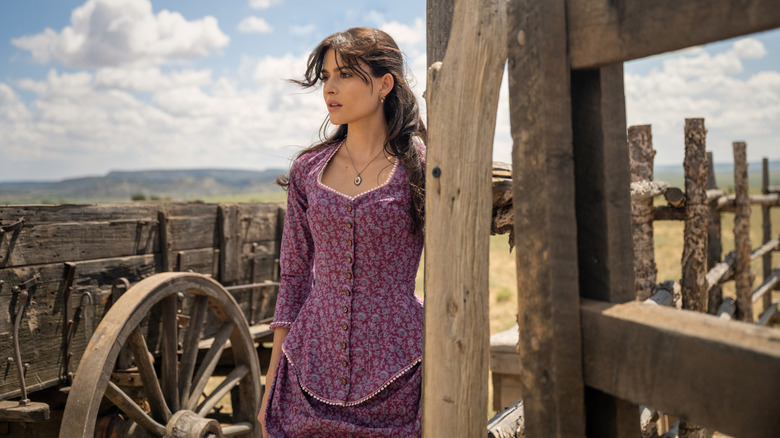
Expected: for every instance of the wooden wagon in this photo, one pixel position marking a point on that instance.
(136, 319)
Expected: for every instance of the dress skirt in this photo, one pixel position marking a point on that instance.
(394, 412)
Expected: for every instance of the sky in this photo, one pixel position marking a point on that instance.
(91, 86)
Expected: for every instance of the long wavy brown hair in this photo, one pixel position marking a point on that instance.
(381, 54)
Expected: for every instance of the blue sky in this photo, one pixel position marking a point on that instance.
(89, 86)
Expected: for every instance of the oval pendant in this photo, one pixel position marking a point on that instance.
(358, 180)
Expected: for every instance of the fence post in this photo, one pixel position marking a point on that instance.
(641, 154)
(458, 212)
(766, 228)
(603, 202)
(694, 275)
(742, 276)
(714, 243)
(545, 221)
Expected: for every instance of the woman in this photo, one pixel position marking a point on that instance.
(347, 326)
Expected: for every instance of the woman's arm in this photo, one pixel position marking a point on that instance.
(280, 333)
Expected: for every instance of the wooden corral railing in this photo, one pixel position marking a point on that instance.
(700, 207)
(590, 352)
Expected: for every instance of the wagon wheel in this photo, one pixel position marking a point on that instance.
(173, 406)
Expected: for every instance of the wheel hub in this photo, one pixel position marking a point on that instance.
(189, 424)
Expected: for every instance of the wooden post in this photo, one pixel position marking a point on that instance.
(641, 154)
(438, 25)
(545, 220)
(714, 245)
(603, 206)
(694, 274)
(462, 99)
(742, 276)
(766, 229)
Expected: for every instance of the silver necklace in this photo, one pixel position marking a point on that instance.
(358, 179)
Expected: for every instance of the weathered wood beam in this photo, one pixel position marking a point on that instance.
(438, 26)
(743, 277)
(641, 157)
(618, 363)
(604, 242)
(603, 32)
(714, 241)
(545, 225)
(767, 285)
(724, 270)
(694, 258)
(462, 97)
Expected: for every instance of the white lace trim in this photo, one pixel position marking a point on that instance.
(361, 400)
(351, 198)
(278, 323)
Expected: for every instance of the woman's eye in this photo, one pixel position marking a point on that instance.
(324, 78)
(345, 75)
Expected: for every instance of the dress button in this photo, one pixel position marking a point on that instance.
(349, 259)
(343, 362)
(349, 242)
(349, 224)
(346, 291)
(349, 275)
(345, 309)
(344, 326)
(349, 208)
(343, 381)
(343, 345)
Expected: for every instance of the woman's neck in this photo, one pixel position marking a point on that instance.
(365, 140)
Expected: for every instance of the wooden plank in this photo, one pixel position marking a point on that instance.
(77, 240)
(632, 351)
(461, 128)
(545, 221)
(743, 277)
(229, 244)
(603, 32)
(604, 240)
(641, 155)
(694, 257)
(41, 337)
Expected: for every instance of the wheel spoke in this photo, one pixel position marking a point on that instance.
(229, 383)
(149, 378)
(206, 368)
(170, 340)
(191, 340)
(237, 429)
(132, 410)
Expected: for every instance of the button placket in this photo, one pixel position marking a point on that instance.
(347, 303)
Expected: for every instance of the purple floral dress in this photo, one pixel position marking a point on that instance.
(351, 363)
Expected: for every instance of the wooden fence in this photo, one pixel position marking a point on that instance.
(584, 373)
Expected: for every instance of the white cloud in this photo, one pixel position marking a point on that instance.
(254, 25)
(409, 38)
(263, 4)
(124, 32)
(696, 83)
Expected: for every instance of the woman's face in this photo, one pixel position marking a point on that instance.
(347, 97)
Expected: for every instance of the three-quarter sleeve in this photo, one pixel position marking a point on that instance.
(296, 254)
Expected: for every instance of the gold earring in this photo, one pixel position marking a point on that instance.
(382, 98)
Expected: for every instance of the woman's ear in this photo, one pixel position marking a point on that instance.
(388, 82)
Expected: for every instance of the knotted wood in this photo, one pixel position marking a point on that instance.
(462, 98)
(641, 154)
(743, 280)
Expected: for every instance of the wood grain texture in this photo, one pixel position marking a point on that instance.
(618, 363)
(694, 257)
(714, 241)
(462, 99)
(604, 239)
(545, 221)
(743, 277)
(603, 32)
(641, 156)
(438, 26)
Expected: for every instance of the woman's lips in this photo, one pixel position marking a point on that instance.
(333, 106)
